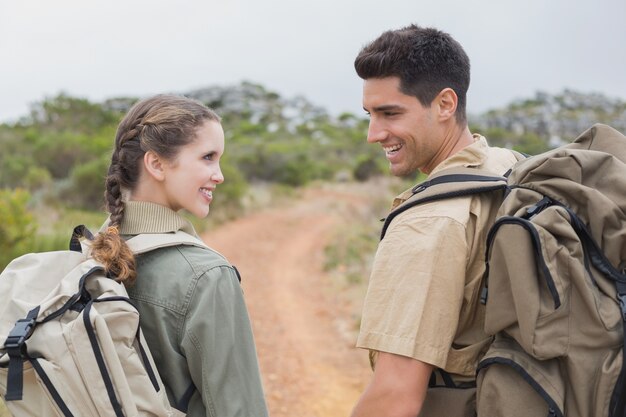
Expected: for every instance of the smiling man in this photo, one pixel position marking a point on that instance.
(422, 318)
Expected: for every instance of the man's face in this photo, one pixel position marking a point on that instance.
(407, 131)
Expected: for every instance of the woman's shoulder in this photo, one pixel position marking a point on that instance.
(198, 259)
(167, 272)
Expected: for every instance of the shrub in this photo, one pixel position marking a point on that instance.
(17, 224)
(86, 188)
(366, 168)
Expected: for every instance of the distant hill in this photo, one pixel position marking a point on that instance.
(555, 119)
(257, 104)
(549, 119)
(530, 124)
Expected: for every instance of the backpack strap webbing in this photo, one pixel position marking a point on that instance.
(147, 242)
(441, 378)
(183, 404)
(144, 242)
(15, 346)
(450, 183)
(78, 233)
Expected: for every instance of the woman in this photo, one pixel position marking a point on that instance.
(166, 158)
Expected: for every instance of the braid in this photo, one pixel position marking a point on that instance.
(108, 247)
(111, 250)
(123, 171)
(130, 134)
(113, 192)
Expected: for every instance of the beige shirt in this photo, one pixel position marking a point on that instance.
(423, 294)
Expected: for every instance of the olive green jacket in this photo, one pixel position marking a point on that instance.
(195, 321)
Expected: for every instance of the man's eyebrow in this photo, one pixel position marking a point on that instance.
(385, 107)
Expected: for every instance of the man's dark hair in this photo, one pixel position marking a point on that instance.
(426, 60)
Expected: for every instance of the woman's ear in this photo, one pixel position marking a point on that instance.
(154, 165)
(447, 101)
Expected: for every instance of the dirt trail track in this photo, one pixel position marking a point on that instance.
(303, 328)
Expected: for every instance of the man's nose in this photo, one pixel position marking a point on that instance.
(375, 132)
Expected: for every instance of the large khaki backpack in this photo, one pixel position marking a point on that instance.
(71, 342)
(554, 287)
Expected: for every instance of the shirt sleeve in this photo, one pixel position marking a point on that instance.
(415, 292)
(220, 350)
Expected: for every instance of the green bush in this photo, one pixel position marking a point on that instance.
(531, 144)
(228, 196)
(36, 178)
(366, 168)
(17, 224)
(60, 152)
(86, 187)
(18, 168)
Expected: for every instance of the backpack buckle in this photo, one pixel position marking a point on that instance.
(17, 337)
(538, 207)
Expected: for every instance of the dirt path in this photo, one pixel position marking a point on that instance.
(303, 328)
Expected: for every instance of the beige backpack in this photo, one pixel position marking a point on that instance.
(71, 342)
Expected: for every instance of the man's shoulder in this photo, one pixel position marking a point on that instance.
(447, 212)
(499, 160)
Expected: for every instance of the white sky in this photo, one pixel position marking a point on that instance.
(101, 49)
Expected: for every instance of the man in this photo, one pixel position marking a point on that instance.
(422, 311)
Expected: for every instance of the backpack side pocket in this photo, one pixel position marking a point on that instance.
(527, 297)
(510, 383)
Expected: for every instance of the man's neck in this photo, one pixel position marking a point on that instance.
(455, 139)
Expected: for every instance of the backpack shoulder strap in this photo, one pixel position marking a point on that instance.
(147, 242)
(144, 242)
(449, 183)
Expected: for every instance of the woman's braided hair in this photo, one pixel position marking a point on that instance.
(161, 124)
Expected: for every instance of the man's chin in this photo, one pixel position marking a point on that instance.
(403, 172)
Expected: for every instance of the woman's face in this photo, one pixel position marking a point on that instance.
(191, 178)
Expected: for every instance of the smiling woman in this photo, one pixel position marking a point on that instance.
(167, 158)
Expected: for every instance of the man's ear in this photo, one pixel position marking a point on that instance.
(447, 100)
(154, 165)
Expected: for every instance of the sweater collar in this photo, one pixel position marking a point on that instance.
(145, 217)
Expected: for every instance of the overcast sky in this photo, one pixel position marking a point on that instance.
(102, 49)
